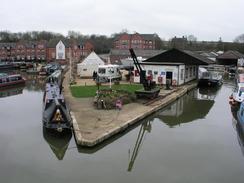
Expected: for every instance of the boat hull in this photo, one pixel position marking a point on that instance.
(12, 83)
(210, 83)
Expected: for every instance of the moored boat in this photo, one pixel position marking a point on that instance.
(238, 95)
(7, 65)
(56, 114)
(209, 78)
(10, 79)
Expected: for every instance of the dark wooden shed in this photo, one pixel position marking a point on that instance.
(229, 58)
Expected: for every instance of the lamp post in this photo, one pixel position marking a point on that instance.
(70, 74)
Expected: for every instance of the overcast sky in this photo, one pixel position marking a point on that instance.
(205, 19)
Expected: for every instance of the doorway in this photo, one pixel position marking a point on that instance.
(169, 76)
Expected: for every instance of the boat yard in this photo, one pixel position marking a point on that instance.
(92, 126)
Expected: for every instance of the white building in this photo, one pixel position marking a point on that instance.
(176, 65)
(89, 65)
(60, 51)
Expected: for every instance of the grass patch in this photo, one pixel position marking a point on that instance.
(90, 91)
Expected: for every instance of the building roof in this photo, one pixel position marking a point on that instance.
(144, 36)
(231, 55)
(12, 45)
(141, 53)
(53, 42)
(92, 59)
(180, 56)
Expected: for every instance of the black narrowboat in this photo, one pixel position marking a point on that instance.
(56, 114)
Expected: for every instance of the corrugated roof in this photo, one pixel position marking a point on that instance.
(231, 55)
(139, 53)
(180, 56)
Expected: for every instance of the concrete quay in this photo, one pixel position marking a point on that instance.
(92, 126)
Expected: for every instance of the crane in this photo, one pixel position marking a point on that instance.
(150, 89)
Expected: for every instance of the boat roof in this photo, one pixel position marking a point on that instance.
(240, 84)
(3, 74)
(241, 78)
(53, 91)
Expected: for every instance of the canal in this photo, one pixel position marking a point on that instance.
(192, 140)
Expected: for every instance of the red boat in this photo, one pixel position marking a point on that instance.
(10, 79)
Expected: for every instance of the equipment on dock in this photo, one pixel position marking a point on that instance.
(150, 90)
(55, 111)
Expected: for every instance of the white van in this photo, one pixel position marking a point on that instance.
(107, 72)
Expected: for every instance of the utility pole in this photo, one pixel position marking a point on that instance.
(70, 74)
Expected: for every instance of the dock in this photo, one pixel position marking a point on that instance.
(92, 126)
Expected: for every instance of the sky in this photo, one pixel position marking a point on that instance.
(207, 20)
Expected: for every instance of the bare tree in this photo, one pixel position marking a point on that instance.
(239, 39)
(191, 38)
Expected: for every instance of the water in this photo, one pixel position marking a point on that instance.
(192, 140)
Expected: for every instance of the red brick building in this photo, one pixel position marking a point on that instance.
(136, 41)
(23, 51)
(77, 50)
(42, 50)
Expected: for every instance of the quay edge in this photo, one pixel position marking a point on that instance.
(155, 106)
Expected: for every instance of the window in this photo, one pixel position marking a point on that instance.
(149, 72)
(101, 70)
(190, 71)
(155, 72)
(186, 75)
(182, 74)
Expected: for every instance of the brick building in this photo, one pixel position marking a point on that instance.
(136, 41)
(43, 50)
(76, 49)
(145, 45)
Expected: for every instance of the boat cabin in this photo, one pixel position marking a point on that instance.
(6, 79)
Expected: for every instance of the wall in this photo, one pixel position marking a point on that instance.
(179, 76)
(158, 71)
(190, 73)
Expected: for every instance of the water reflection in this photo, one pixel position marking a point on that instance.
(145, 127)
(34, 82)
(58, 142)
(240, 136)
(10, 91)
(194, 105)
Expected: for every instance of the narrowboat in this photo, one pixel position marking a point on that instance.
(209, 78)
(10, 79)
(56, 115)
(7, 65)
(240, 116)
(238, 95)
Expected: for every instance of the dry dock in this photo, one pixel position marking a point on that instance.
(92, 126)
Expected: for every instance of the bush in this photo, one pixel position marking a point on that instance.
(109, 98)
